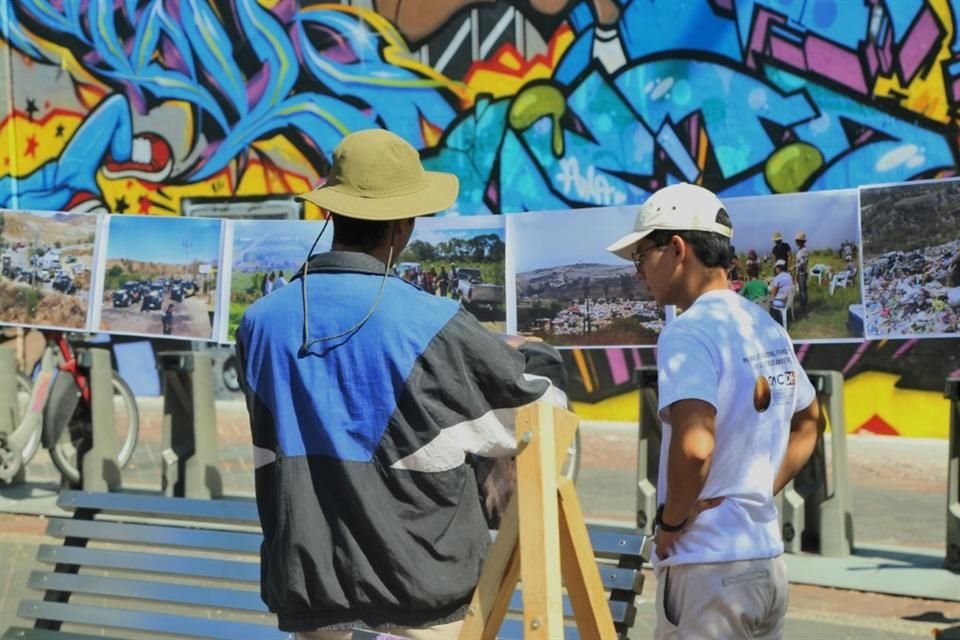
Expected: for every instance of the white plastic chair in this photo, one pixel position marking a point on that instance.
(819, 271)
(843, 279)
(786, 310)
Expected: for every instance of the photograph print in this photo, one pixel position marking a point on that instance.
(911, 259)
(265, 255)
(160, 276)
(569, 290)
(47, 260)
(798, 256)
(461, 258)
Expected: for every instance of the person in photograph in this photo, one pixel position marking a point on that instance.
(733, 273)
(781, 250)
(443, 281)
(850, 267)
(279, 282)
(365, 396)
(717, 540)
(801, 266)
(780, 286)
(265, 285)
(755, 288)
(166, 320)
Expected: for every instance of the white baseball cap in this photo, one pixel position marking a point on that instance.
(780, 263)
(679, 207)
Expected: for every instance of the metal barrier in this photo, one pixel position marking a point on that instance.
(815, 509)
(189, 440)
(648, 449)
(9, 403)
(952, 562)
(97, 462)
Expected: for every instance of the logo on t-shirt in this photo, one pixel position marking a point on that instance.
(783, 379)
(761, 394)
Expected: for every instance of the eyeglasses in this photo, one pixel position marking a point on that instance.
(640, 255)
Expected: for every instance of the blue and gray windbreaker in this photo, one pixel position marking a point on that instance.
(370, 515)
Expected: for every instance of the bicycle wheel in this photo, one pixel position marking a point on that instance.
(24, 387)
(74, 436)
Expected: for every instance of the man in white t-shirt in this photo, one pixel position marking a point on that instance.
(740, 419)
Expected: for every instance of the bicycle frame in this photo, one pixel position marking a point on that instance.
(11, 451)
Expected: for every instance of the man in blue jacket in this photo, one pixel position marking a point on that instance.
(366, 396)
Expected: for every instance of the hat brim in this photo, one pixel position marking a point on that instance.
(440, 193)
(623, 248)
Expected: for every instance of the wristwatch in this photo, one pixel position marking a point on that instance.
(663, 526)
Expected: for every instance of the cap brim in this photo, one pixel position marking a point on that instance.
(623, 248)
(439, 194)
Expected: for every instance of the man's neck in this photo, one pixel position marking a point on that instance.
(702, 282)
(381, 253)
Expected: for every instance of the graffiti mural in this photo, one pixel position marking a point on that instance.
(169, 106)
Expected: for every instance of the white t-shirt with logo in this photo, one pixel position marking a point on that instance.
(729, 352)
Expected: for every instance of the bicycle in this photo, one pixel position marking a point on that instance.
(58, 414)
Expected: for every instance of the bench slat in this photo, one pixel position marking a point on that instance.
(513, 630)
(22, 633)
(201, 596)
(182, 626)
(230, 541)
(230, 511)
(196, 567)
(612, 543)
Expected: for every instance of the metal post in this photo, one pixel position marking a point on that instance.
(9, 403)
(99, 470)
(189, 439)
(836, 511)
(648, 449)
(952, 562)
(816, 506)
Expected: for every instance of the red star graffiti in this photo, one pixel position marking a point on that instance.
(144, 205)
(31, 149)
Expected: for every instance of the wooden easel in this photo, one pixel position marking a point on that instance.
(542, 535)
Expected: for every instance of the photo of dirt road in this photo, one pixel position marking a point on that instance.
(47, 261)
(160, 276)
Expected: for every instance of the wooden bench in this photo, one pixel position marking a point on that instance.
(145, 564)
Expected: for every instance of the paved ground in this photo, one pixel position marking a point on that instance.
(899, 493)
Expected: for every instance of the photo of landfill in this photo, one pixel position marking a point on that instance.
(911, 261)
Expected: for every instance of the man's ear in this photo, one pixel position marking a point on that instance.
(679, 246)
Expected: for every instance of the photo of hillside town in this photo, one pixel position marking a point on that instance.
(911, 259)
(47, 268)
(160, 276)
(462, 259)
(266, 254)
(569, 290)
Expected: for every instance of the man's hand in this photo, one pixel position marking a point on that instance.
(664, 540)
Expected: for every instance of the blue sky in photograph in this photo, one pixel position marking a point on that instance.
(827, 217)
(553, 239)
(166, 240)
(436, 230)
(281, 238)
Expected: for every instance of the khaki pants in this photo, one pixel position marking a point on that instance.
(448, 631)
(723, 601)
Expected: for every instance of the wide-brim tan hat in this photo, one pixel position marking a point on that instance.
(801, 237)
(679, 207)
(377, 175)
